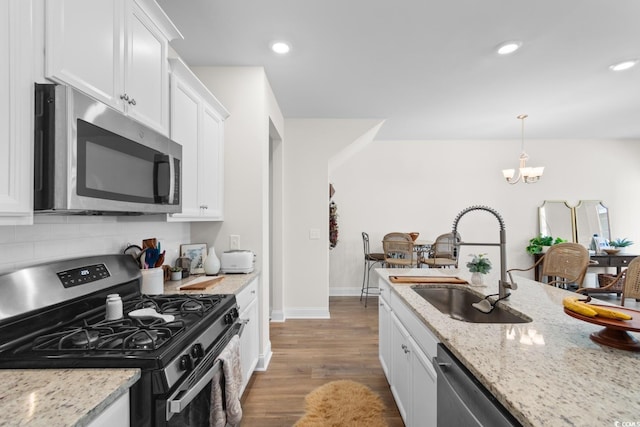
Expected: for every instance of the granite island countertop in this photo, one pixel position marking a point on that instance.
(60, 397)
(547, 372)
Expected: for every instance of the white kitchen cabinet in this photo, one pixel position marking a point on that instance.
(16, 112)
(115, 51)
(424, 388)
(384, 336)
(406, 350)
(116, 414)
(249, 341)
(400, 367)
(197, 122)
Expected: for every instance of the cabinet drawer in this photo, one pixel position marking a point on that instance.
(603, 261)
(247, 295)
(620, 261)
(417, 329)
(385, 290)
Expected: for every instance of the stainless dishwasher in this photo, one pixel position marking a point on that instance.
(462, 400)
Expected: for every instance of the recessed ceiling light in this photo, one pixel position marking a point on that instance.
(625, 65)
(508, 47)
(281, 48)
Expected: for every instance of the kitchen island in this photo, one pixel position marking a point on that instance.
(547, 372)
(62, 397)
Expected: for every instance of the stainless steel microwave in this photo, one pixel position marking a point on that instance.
(91, 159)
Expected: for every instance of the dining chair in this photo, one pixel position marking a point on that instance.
(370, 260)
(562, 264)
(398, 250)
(443, 252)
(630, 279)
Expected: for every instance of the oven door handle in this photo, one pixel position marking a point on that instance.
(174, 405)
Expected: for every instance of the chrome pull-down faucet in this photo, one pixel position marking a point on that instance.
(503, 284)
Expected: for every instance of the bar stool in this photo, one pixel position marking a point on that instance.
(370, 259)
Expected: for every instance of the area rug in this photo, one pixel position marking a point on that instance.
(343, 403)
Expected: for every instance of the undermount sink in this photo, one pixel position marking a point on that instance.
(456, 302)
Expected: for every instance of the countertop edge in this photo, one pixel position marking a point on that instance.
(112, 397)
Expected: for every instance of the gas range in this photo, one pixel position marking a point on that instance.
(55, 316)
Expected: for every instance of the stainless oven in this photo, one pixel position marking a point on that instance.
(91, 159)
(55, 316)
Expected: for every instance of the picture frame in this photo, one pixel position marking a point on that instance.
(197, 253)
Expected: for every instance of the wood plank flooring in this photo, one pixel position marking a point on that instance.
(309, 353)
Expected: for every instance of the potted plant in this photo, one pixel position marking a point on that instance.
(541, 243)
(620, 243)
(478, 266)
(176, 273)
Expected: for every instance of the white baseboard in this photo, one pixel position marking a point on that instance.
(350, 291)
(307, 313)
(277, 316)
(264, 359)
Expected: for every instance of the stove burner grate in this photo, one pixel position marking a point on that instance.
(111, 335)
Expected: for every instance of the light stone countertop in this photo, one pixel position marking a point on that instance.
(60, 397)
(547, 372)
(74, 397)
(230, 284)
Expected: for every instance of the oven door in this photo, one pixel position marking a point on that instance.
(190, 403)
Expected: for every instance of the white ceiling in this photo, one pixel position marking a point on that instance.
(429, 67)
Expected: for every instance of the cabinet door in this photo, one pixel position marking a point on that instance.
(146, 71)
(84, 46)
(16, 112)
(249, 342)
(185, 105)
(384, 336)
(211, 164)
(423, 389)
(401, 367)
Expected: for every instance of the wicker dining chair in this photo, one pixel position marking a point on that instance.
(443, 252)
(563, 264)
(630, 279)
(370, 260)
(398, 250)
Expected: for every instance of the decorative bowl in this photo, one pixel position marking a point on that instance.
(611, 251)
(414, 236)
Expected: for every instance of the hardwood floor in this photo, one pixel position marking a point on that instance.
(309, 353)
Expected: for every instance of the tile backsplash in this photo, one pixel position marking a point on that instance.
(59, 237)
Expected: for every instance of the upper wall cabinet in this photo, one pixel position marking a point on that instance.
(115, 51)
(197, 122)
(16, 112)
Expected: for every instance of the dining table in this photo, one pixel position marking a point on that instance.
(420, 247)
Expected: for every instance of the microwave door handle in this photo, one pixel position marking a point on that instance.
(158, 178)
(172, 179)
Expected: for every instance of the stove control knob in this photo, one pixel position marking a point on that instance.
(186, 363)
(197, 351)
(228, 319)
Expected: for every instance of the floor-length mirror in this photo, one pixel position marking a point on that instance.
(556, 219)
(592, 217)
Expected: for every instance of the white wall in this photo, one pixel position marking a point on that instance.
(246, 94)
(422, 185)
(309, 146)
(59, 237)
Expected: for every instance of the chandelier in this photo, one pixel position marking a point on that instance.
(528, 174)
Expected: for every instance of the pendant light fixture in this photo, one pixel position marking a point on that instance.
(529, 175)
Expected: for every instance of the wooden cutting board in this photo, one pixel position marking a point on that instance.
(426, 279)
(201, 286)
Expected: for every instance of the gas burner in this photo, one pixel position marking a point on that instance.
(142, 339)
(81, 338)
